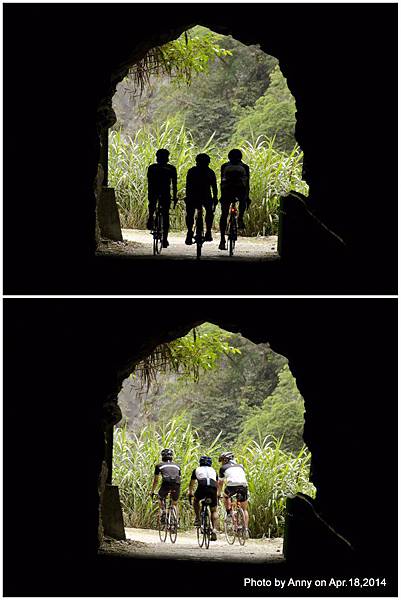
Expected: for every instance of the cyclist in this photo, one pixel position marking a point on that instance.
(233, 475)
(206, 477)
(170, 473)
(161, 177)
(234, 184)
(201, 190)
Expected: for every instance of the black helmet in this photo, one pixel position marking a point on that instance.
(226, 456)
(202, 160)
(162, 154)
(235, 155)
(205, 461)
(167, 454)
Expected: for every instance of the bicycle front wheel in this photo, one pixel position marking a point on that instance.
(241, 530)
(173, 524)
(163, 527)
(229, 528)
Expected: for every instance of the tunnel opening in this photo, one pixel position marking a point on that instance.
(202, 93)
(207, 392)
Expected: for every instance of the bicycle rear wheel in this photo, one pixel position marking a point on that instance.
(163, 527)
(229, 528)
(158, 234)
(199, 236)
(241, 530)
(206, 528)
(232, 236)
(173, 524)
(199, 535)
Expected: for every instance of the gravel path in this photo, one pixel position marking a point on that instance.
(138, 243)
(145, 543)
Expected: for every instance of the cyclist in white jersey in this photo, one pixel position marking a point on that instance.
(206, 477)
(233, 476)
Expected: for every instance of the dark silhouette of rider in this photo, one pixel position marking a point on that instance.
(234, 187)
(201, 190)
(161, 176)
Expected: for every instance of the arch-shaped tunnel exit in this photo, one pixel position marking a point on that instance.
(202, 394)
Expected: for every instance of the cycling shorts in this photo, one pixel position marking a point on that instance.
(169, 488)
(240, 490)
(207, 491)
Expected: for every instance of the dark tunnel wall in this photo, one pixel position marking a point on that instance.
(78, 52)
(64, 359)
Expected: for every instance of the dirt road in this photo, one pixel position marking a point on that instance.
(138, 243)
(145, 543)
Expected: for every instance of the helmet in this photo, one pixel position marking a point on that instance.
(205, 461)
(167, 454)
(162, 154)
(235, 155)
(226, 456)
(202, 160)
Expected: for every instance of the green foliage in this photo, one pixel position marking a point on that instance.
(239, 381)
(272, 474)
(273, 173)
(280, 415)
(200, 350)
(180, 59)
(273, 115)
(211, 103)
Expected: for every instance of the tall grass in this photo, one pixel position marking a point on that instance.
(273, 173)
(272, 474)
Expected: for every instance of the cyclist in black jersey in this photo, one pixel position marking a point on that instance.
(234, 184)
(161, 178)
(170, 473)
(206, 477)
(233, 475)
(201, 190)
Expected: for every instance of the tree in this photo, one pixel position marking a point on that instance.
(273, 115)
(281, 413)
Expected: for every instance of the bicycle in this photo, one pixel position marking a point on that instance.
(199, 232)
(232, 227)
(234, 523)
(204, 530)
(157, 231)
(168, 524)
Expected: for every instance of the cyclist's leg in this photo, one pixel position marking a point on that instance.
(244, 506)
(162, 495)
(227, 499)
(242, 209)
(165, 206)
(152, 207)
(197, 510)
(175, 494)
(208, 204)
(225, 207)
(214, 513)
(189, 220)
